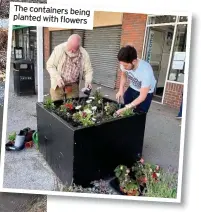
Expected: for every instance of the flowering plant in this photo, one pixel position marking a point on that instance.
(136, 175)
(85, 112)
(154, 181)
(69, 106)
(141, 168)
(127, 185)
(84, 117)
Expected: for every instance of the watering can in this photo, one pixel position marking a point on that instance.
(35, 139)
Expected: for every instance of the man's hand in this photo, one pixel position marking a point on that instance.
(119, 95)
(89, 86)
(129, 106)
(60, 83)
(120, 111)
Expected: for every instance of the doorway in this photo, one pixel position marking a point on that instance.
(157, 53)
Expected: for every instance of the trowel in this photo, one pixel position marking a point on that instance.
(86, 91)
(119, 104)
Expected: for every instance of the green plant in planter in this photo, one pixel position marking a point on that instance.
(97, 95)
(87, 107)
(63, 109)
(98, 99)
(87, 121)
(76, 116)
(127, 112)
(49, 104)
(69, 101)
(110, 108)
(84, 117)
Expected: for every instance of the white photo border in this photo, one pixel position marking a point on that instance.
(108, 8)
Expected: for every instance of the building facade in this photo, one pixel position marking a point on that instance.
(160, 40)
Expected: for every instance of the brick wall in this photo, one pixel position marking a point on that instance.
(46, 43)
(133, 30)
(173, 95)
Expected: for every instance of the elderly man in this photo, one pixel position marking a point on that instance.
(68, 64)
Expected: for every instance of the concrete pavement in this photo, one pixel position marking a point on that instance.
(17, 202)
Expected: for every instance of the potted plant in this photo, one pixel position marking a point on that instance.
(145, 179)
(127, 185)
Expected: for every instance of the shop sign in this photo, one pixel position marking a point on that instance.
(150, 44)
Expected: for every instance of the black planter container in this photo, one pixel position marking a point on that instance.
(81, 155)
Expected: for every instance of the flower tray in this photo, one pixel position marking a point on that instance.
(85, 154)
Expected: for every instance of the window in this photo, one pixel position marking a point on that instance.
(162, 19)
(183, 18)
(18, 38)
(178, 59)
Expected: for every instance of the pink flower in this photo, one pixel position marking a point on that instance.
(157, 167)
(141, 160)
(144, 180)
(84, 114)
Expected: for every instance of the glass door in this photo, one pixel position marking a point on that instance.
(159, 41)
(177, 67)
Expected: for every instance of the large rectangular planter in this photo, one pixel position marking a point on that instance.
(81, 155)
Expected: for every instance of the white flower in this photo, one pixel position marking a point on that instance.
(99, 101)
(157, 174)
(94, 108)
(98, 88)
(89, 101)
(93, 119)
(150, 170)
(78, 107)
(88, 111)
(91, 97)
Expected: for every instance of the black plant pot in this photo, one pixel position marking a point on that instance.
(86, 154)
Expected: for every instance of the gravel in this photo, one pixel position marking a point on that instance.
(98, 187)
